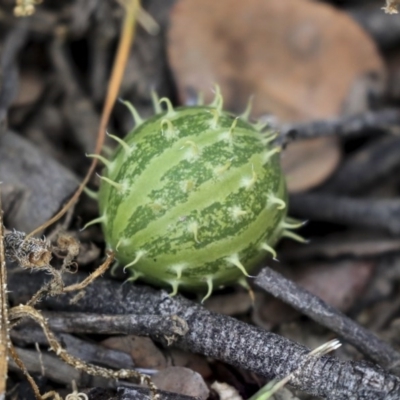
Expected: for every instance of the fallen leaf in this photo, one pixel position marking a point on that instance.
(310, 162)
(182, 381)
(144, 353)
(300, 59)
(179, 358)
(339, 283)
(235, 303)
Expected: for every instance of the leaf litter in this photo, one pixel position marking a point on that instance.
(319, 64)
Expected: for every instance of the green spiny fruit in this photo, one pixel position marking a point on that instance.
(193, 198)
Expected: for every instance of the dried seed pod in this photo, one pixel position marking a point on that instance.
(28, 253)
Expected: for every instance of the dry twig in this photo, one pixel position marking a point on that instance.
(132, 8)
(310, 305)
(346, 126)
(231, 341)
(20, 312)
(36, 254)
(374, 213)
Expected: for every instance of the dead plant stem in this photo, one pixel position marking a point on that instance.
(132, 8)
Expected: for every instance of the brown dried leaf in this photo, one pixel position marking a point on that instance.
(235, 303)
(183, 381)
(196, 362)
(339, 284)
(144, 353)
(310, 162)
(301, 59)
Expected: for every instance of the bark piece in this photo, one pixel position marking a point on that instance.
(41, 184)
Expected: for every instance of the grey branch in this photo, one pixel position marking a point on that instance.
(373, 213)
(58, 371)
(315, 308)
(86, 351)
(28, 197)
(139, 325)
(229, 340)
(371, 164)
(345, 126)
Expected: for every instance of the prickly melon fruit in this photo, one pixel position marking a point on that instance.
(193, 198)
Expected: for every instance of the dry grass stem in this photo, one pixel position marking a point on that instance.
(36, 254)
(132, 8)
(23, 311)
